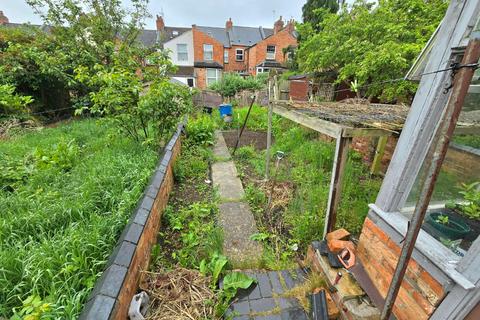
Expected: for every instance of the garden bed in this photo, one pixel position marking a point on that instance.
(65, 199)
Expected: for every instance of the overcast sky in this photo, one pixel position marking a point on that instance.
(187, 12)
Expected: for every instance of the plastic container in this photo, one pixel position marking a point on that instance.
(225, 110)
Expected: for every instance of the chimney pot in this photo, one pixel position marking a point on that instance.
(229, 24)
(278, 25)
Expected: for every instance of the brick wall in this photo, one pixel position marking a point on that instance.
(462, 161)
(113, 292)
(233, 64)
(367, 146)
(201, 76)
(258, 53)
(199, 39)
(419, 294)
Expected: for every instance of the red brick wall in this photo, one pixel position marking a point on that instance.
(201, 74)
(367, 147)
(419, 294)
(258, 53)
(299, 89)
(199, 39)
(233, 65)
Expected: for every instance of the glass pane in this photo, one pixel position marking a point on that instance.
(453, 217)
(211, 73)
(182, 47)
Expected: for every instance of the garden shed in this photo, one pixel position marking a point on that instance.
(419, 270)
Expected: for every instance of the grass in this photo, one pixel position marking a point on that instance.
(467, 140)
(306, 170)
(66, 194)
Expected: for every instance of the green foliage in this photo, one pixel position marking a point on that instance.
(231, 83)
(231, 283)
(146, 114)
(443, 219)
(33, 309)
(314, 10)
(214, 267)
(10, 102)
(372, 43)
(472, 141)
(200, 129)
(471, 195)
(62, 211)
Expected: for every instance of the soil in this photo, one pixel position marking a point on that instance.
(256, 138)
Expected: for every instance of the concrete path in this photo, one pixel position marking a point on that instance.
(235, 217)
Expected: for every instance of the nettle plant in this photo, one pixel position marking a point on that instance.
(139, 99)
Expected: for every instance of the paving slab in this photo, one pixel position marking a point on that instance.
(220, 149)
(225, 178)
(265, 300)
(238, 224)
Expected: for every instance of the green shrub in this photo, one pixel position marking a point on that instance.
(200, 129)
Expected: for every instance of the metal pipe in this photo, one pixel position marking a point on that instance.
(244, 124)
(433, 164)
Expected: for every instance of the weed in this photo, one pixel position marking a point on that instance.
(75, 188)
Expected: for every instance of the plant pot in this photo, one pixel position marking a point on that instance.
(455, 229)
(474, 224)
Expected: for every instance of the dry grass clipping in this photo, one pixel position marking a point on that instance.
(179, 294)
(281, 195)
(301, 292)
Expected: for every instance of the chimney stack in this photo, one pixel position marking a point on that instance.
(229, 24)
(291, 25)
(3, 18)
(278, 25)
(160, 23)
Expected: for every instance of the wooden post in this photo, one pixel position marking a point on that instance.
(377, 160)
(341, 154)
(271, 86)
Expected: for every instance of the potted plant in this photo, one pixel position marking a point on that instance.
(448, 226)
(468, 210)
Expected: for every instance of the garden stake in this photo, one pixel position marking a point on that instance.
(280, 155)
(244, 124)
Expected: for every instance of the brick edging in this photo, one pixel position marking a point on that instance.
(113, 291)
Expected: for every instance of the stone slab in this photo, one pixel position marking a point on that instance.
(238, 224)
(225, 178)
(220, 149)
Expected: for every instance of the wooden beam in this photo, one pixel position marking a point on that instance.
(365, 132)
(341, 154)
(379, 152)
(328, 128)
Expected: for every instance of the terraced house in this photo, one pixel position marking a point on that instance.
(203, 53)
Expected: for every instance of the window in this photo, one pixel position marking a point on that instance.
(182, 53)
(207, 52)
(225, 56)
(239, 55)
(270, 52)
(190, 82)
(261, 70)
(213, 75)
(175, 33)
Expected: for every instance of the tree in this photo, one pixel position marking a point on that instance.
(372, 44)
(231, 83)
(313, 11)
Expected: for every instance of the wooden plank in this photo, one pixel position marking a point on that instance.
(269, 130)
(365, 132)
(328, 128)
(379, 152)
(341, 154)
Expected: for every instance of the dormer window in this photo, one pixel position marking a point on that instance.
(239, 54)
(271, 52)
(175, 33)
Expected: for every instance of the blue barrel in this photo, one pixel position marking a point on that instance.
(225, 110)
